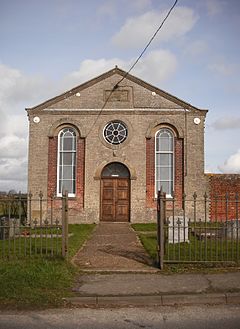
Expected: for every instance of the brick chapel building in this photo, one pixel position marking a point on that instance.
(112, 142)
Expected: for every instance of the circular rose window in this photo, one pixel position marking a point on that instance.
(115, 132)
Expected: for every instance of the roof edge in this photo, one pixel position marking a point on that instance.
(107, 74)
(72, 90)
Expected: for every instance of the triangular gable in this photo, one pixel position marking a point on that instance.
(170, 99)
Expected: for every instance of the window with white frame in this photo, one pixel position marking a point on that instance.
(164, 161)
(66, 169)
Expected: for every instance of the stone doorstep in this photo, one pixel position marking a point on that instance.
(155, 300)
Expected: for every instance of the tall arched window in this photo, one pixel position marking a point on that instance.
(66, 173)
(164, 161)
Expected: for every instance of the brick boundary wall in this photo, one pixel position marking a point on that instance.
(224, 193)
(150, 173)
(76, 203)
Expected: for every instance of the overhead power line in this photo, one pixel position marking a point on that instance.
(148, 44)
(134, 64)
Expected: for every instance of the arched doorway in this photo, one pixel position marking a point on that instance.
(115, 193)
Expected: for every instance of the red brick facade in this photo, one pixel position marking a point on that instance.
(179, 172)
(150, 172)
(224, 195)
(52, 165)
(77, 202)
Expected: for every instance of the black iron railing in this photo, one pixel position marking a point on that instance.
(33, 226)
(202, 230)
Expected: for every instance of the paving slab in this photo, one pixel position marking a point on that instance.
(140, 284)
(130, 284)
(225, 281)
(114, 247)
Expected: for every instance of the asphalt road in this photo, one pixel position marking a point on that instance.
(220, 317)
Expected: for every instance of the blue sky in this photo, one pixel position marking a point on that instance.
(50, 46)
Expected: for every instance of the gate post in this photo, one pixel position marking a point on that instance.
(65, 224)
(161, 209)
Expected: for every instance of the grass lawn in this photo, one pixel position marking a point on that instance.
(216, 252)
(39, 282)
(150, 227)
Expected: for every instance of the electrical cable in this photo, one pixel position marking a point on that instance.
(102, 108)
(133, 65)
(148, 44)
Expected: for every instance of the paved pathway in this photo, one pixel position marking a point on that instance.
(114, 247)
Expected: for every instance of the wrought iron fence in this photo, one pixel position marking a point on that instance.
(203, 230)
(33, 226)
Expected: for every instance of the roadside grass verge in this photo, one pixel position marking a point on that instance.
(40, 282)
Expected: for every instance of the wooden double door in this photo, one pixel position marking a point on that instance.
(115, 199)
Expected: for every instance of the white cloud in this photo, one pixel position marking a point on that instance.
(138, 30)
(3, 117)
(13, 174)
(155, 67)
(214, 7)
(139, 4)
(90, 68)
(8, 80)
(11, 185)
(13, 163)
(13, 124)
(222, 67)
(107, 9)
(232, 164)
(227, 123)
(111, 8)
(17, 91)
(196, 48)
(12, 146)
(15, 88)
(209, 168)
(13, 170)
